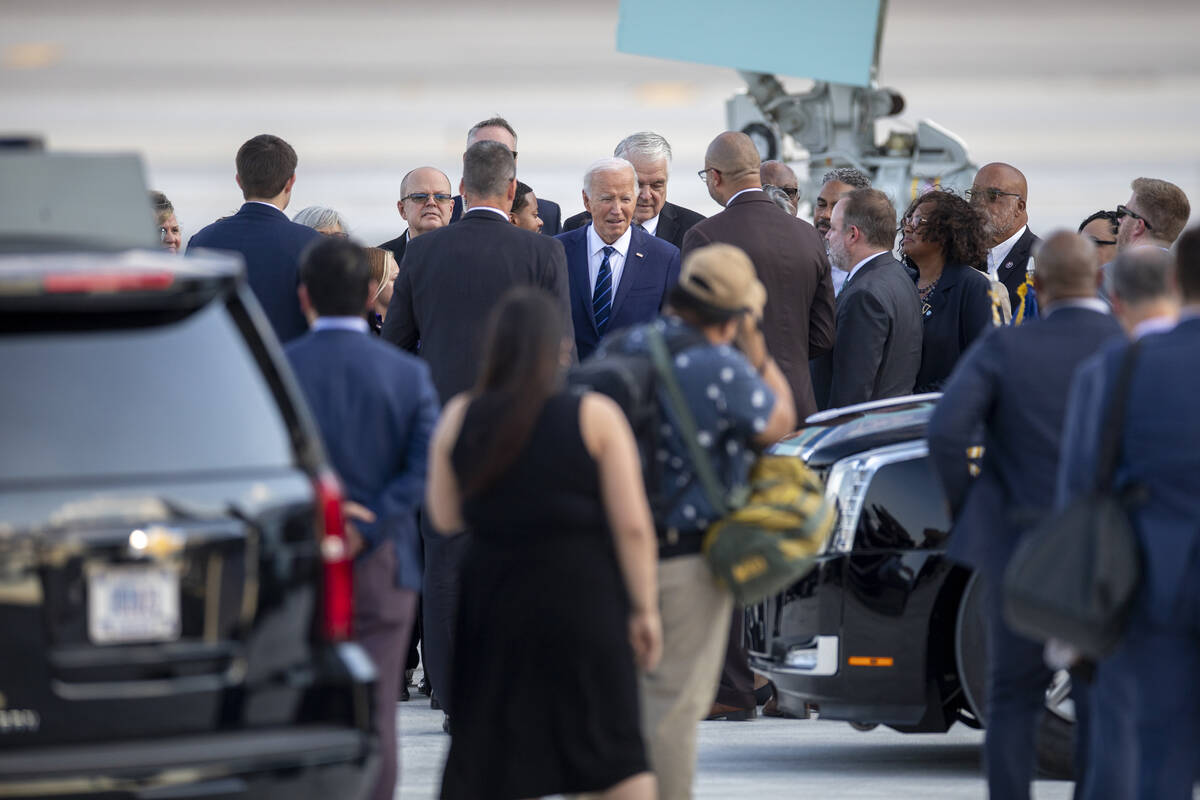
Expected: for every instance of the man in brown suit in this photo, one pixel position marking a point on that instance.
(788, 255)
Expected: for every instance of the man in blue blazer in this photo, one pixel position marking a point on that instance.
(376, 408)
(1148, 744)
(270, 243)
(1013, 383)
(619, 274)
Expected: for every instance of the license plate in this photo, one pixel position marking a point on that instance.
(134, 603)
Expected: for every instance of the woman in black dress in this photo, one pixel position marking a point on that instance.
(559, 598)
(943, 246)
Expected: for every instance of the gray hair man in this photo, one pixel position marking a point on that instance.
(650, 155)
(836, 184)
(999, 194)
(322, 220)
(778, 175)
(425, 204)
(1139, 290)
(498, 129)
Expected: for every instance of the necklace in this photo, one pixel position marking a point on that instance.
(926, 311)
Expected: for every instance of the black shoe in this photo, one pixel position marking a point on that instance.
(404, 695)
(423, 687)
(433, 702)
(764, 693)
(720, 711)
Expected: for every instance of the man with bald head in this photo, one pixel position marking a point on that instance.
(788, 256)
(1013, 383)
(619, 273)
(999, 193)
(781, 176)
(425, 202)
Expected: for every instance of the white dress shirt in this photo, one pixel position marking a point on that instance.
(651, 225)
(1000, 252)
(340, 324)
(616, 261)
(859, 265)
(742, 192)
(1152, 325)
(1091, 303)
(493, 209)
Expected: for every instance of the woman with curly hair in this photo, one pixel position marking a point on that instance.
(943, 246)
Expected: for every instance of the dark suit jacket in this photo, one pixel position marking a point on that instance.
(1014, 383)
(548, 210)
(790, 259)
(651, 269)
(673, 222)
(1160, 450)
(1012, 272)
(960, 310)
(878, 350)
(376, 409)
(450, 281)
(271, 244)
(397, 246)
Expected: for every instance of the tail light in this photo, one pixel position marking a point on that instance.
(338, 594)
(106, 282)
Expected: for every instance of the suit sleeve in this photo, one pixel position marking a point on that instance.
(857, 357)
(1078, 450)
(399, 500)
(672, 276)
(693, 240)
(555, 280)
(965, 405)
(400, 324)
(821, 333)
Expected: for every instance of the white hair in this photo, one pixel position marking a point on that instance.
(318, 217)
(607, 165)
(644, 145)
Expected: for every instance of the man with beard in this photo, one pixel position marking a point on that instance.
(836, 184)
(782, 177)
(999, 195)
(878, 348)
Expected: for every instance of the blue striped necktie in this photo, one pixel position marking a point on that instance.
(602, 297)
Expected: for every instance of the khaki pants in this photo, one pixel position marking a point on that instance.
(676, 696)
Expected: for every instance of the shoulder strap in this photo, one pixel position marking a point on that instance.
(1114, 420)
(687, 424)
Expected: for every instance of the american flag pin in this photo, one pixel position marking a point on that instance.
(639, 255)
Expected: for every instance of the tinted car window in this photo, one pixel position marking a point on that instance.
(177, 397)
(904, 509)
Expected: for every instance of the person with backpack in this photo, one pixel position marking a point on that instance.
(741, 402)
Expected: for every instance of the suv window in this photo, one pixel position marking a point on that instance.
(904, 509)
(136, 399)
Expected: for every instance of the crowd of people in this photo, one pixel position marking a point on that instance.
(545, 559)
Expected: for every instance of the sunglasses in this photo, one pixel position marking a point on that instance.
(991, 193)
(790, 191)
(421, 197)
(1122, 211)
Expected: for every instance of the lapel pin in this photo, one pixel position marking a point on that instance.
(639, 255)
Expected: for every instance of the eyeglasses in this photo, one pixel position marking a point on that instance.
(790, 191)
(1102, 242)
(703, 174)
(914, 223)
(991, 193)
(421, 197)
(1122, 211)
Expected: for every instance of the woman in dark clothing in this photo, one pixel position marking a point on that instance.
(558, 587)
(942, 244)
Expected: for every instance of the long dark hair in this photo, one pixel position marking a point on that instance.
(954, 226)
(520, 371)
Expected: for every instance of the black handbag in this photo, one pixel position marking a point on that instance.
(1075, 576)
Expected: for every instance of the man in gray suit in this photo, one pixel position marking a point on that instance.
(878, 349)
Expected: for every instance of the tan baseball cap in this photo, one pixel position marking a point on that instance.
(722, 276)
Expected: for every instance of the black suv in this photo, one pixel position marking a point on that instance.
(175, 599)
(886, 630)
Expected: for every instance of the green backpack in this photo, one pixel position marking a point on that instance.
(770, 532)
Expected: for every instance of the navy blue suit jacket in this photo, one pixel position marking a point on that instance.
(548, 210)
(651, 269)
(376, 408)
(271, 244)
(1013, 382)
(1160, 450)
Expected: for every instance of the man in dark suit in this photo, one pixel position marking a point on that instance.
(449, 281)
(878, 349)
(497, 129)
(376, 408)
(999, 193)
(619, 274)
(424, 204)
(1146, 735)
(651, 157)
(270, 243)
(1013, 382)
(787, 253)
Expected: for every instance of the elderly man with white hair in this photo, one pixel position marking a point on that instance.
(651, 158)
(619, 273)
